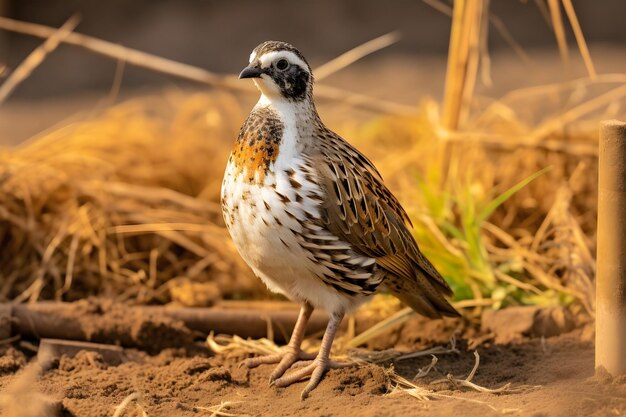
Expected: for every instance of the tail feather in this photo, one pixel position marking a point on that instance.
(422, 296)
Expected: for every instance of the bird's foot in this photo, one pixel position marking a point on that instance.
(314, 369)
(285, 360)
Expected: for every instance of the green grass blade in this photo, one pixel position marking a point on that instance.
(381, 327)
(496, 202)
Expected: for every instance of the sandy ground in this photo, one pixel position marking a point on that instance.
(557, 374)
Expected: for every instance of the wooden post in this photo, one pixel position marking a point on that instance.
(611, 253)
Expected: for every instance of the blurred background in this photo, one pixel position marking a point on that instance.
(219, 36)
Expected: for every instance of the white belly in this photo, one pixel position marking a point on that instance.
(266, 227)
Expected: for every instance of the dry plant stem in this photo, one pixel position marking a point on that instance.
(216, 410)
(559, 123)
(37, 56)
(222, 344)
(460, 73)
(432, 351)
(580, 38)
(422, 372)
(559, 30)
(119, 410)
(514, 143)
(472, 32)
(483, 41)
(380, 327)
(559, 88)
(493, 19)
(348, 58)
(467, 382)
(462, 61)
(456, 69)
(10, 340)
(189, 72)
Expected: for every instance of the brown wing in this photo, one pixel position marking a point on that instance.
(362, 211)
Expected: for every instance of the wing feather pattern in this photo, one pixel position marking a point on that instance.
(360, 210)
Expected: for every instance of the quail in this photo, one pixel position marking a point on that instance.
(312, 217)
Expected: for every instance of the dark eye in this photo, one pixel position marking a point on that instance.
(282, 64)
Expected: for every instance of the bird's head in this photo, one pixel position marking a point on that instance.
(280, 71)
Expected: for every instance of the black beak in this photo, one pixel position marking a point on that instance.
(251, 72)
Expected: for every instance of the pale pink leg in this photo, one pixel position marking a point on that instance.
(320, 365)
(292, 352)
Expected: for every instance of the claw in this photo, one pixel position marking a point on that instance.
(315, 369)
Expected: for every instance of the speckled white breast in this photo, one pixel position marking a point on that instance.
(273, 220)
(265, 222)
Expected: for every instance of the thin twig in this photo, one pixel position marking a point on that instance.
(513, 143)
(32, 61)
(575, 113)
(422, 372)
(440, 350)
(217, 409)
(559, 30)
(382, 326)
(126, 402)
(354, 54)
(467, 382)
(580, 38)
(10, 340)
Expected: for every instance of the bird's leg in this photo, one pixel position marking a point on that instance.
(292, 352)
(322, 363)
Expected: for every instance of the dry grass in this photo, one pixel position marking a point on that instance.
(123, 203)
(126, 402)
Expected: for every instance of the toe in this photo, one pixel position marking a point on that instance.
(300, 364)
(316, 377)
(294, 376)
(280, 369)
(261, 360)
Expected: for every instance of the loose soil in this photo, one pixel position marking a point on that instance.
(185, 380)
